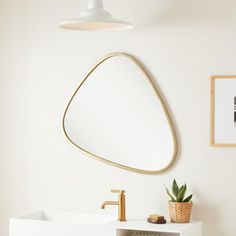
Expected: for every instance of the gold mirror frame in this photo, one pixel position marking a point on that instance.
(163, 105)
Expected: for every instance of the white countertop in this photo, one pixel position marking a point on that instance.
(143, 225)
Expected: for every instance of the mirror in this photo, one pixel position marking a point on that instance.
(117, 116)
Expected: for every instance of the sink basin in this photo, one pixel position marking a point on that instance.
(80, 218)
(46, 223)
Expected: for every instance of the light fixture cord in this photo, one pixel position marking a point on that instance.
(95, 4)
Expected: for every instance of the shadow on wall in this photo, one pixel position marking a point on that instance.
(207, 212)
(184, 13)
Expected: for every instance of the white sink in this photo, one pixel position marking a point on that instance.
(63, 224)
(85, 224)
(80, 218)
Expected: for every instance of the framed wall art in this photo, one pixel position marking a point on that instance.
(223, 111)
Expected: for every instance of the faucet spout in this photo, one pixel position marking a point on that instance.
(104, 204)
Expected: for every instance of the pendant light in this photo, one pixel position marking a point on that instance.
(95, 18)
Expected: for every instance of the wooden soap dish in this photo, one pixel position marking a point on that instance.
(149, 220)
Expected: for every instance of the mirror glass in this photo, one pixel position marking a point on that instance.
(116, 115)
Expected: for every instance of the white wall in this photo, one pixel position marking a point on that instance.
(181, 42)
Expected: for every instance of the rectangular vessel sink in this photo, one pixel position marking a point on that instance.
(84, 224)
(46, 223)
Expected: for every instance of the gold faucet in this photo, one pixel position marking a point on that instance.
(120, 203)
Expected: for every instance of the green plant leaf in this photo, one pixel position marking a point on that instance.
(187, 199)
(181, 188)
(181, 194)
(175, 188)
(168, 192)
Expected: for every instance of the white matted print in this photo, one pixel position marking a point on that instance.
(223, 111)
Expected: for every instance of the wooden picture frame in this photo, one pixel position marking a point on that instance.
(223, 111)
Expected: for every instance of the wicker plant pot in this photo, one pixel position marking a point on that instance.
(180, 212)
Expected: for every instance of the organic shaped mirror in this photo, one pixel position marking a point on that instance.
(117, 116)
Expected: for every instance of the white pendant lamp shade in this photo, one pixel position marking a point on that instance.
(95, 18)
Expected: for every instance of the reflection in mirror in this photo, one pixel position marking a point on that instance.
(116, 115)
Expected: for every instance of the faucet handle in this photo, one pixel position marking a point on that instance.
(118, 191)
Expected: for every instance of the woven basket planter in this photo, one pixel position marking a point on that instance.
(180, 212)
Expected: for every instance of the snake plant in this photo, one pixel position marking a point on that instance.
(178, 193)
